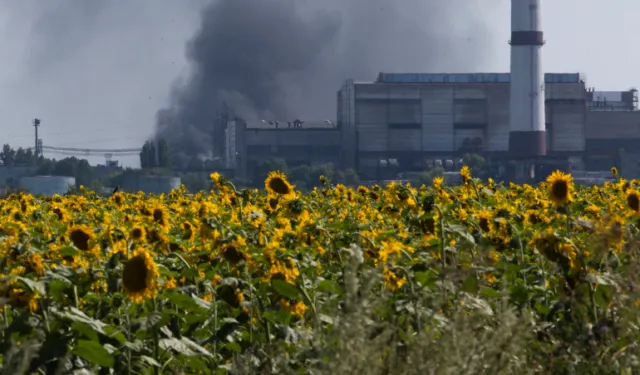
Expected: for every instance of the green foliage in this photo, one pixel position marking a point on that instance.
(20, 157)
(155, 155)
(476, 164)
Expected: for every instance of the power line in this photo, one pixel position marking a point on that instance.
(90, 150)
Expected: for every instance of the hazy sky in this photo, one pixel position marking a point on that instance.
(101, 83)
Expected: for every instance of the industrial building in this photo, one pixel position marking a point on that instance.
(413, 117)
(247, 143)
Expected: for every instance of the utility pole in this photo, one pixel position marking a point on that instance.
(36, 124)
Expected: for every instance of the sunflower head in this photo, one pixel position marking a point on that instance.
(188, 231)
(614, 171)
(140, 276)
(560, 187)
(277, 184)
(160, 216)
(465, 173)
(81, 237)
(118, 198)
(138, 233)
(633, 201)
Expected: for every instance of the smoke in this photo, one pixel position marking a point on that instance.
(282, 59)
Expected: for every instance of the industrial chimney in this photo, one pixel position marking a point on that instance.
(527, 136)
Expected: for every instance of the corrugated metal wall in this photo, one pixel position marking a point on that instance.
(437, 119)
(497, 118)
(405, 139)
(565, 91)
(470, 111)
(461, 134)
(406, 111)
(371, 117)
(611, 125)
(567, 126)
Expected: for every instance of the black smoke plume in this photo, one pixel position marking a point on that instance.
(285, 59)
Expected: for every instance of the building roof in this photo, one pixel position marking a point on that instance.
(471, 78)
(309, 124)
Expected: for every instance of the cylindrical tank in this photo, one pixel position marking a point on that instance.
(151, 184)
(47, 185)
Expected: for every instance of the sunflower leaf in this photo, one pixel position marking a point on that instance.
(94, 353)
(286, 289)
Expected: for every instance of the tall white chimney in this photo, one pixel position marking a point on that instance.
(527, 136)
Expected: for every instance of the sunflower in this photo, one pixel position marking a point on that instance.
(140, 276)
(215, 177)
(323, 180)
(60, 212)
(160, 216)
(80, 236)
(614, 171)
(233, 251)
(189, 231)
(276, 183)
(230, 294)
(560, 187)
(633, 201)
(484, 221)
(138, 233)
(465, 173)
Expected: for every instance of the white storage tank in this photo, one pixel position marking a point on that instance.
(47, 185)
(158, 184)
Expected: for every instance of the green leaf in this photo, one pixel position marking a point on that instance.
(202, 303)
(183, 301)
(489, 292)
(85, 330)
(184, 346)
(330, 287)
(470, 285)
(604, 295)
(286, 289)
(34, 286)
(460, 231)
(68, 251)
(76, 315)
(519, 294)
(94, 353)
(427, 278)
(57, 288)
(150, 361)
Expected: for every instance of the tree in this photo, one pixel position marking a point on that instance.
(164, 158)
(7, 155)
(262, 170)
(149, 158)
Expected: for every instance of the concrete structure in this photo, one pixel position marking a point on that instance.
(47, 185)
(527, 115)
(250, 142)
(410, 117)
(150, 184)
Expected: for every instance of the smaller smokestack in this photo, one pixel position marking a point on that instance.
(527, 135)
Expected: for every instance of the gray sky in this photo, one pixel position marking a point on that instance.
(115, 61)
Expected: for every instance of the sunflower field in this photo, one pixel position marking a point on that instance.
(481, 278)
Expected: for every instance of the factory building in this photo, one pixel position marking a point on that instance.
(248, 143)
(413, 117)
